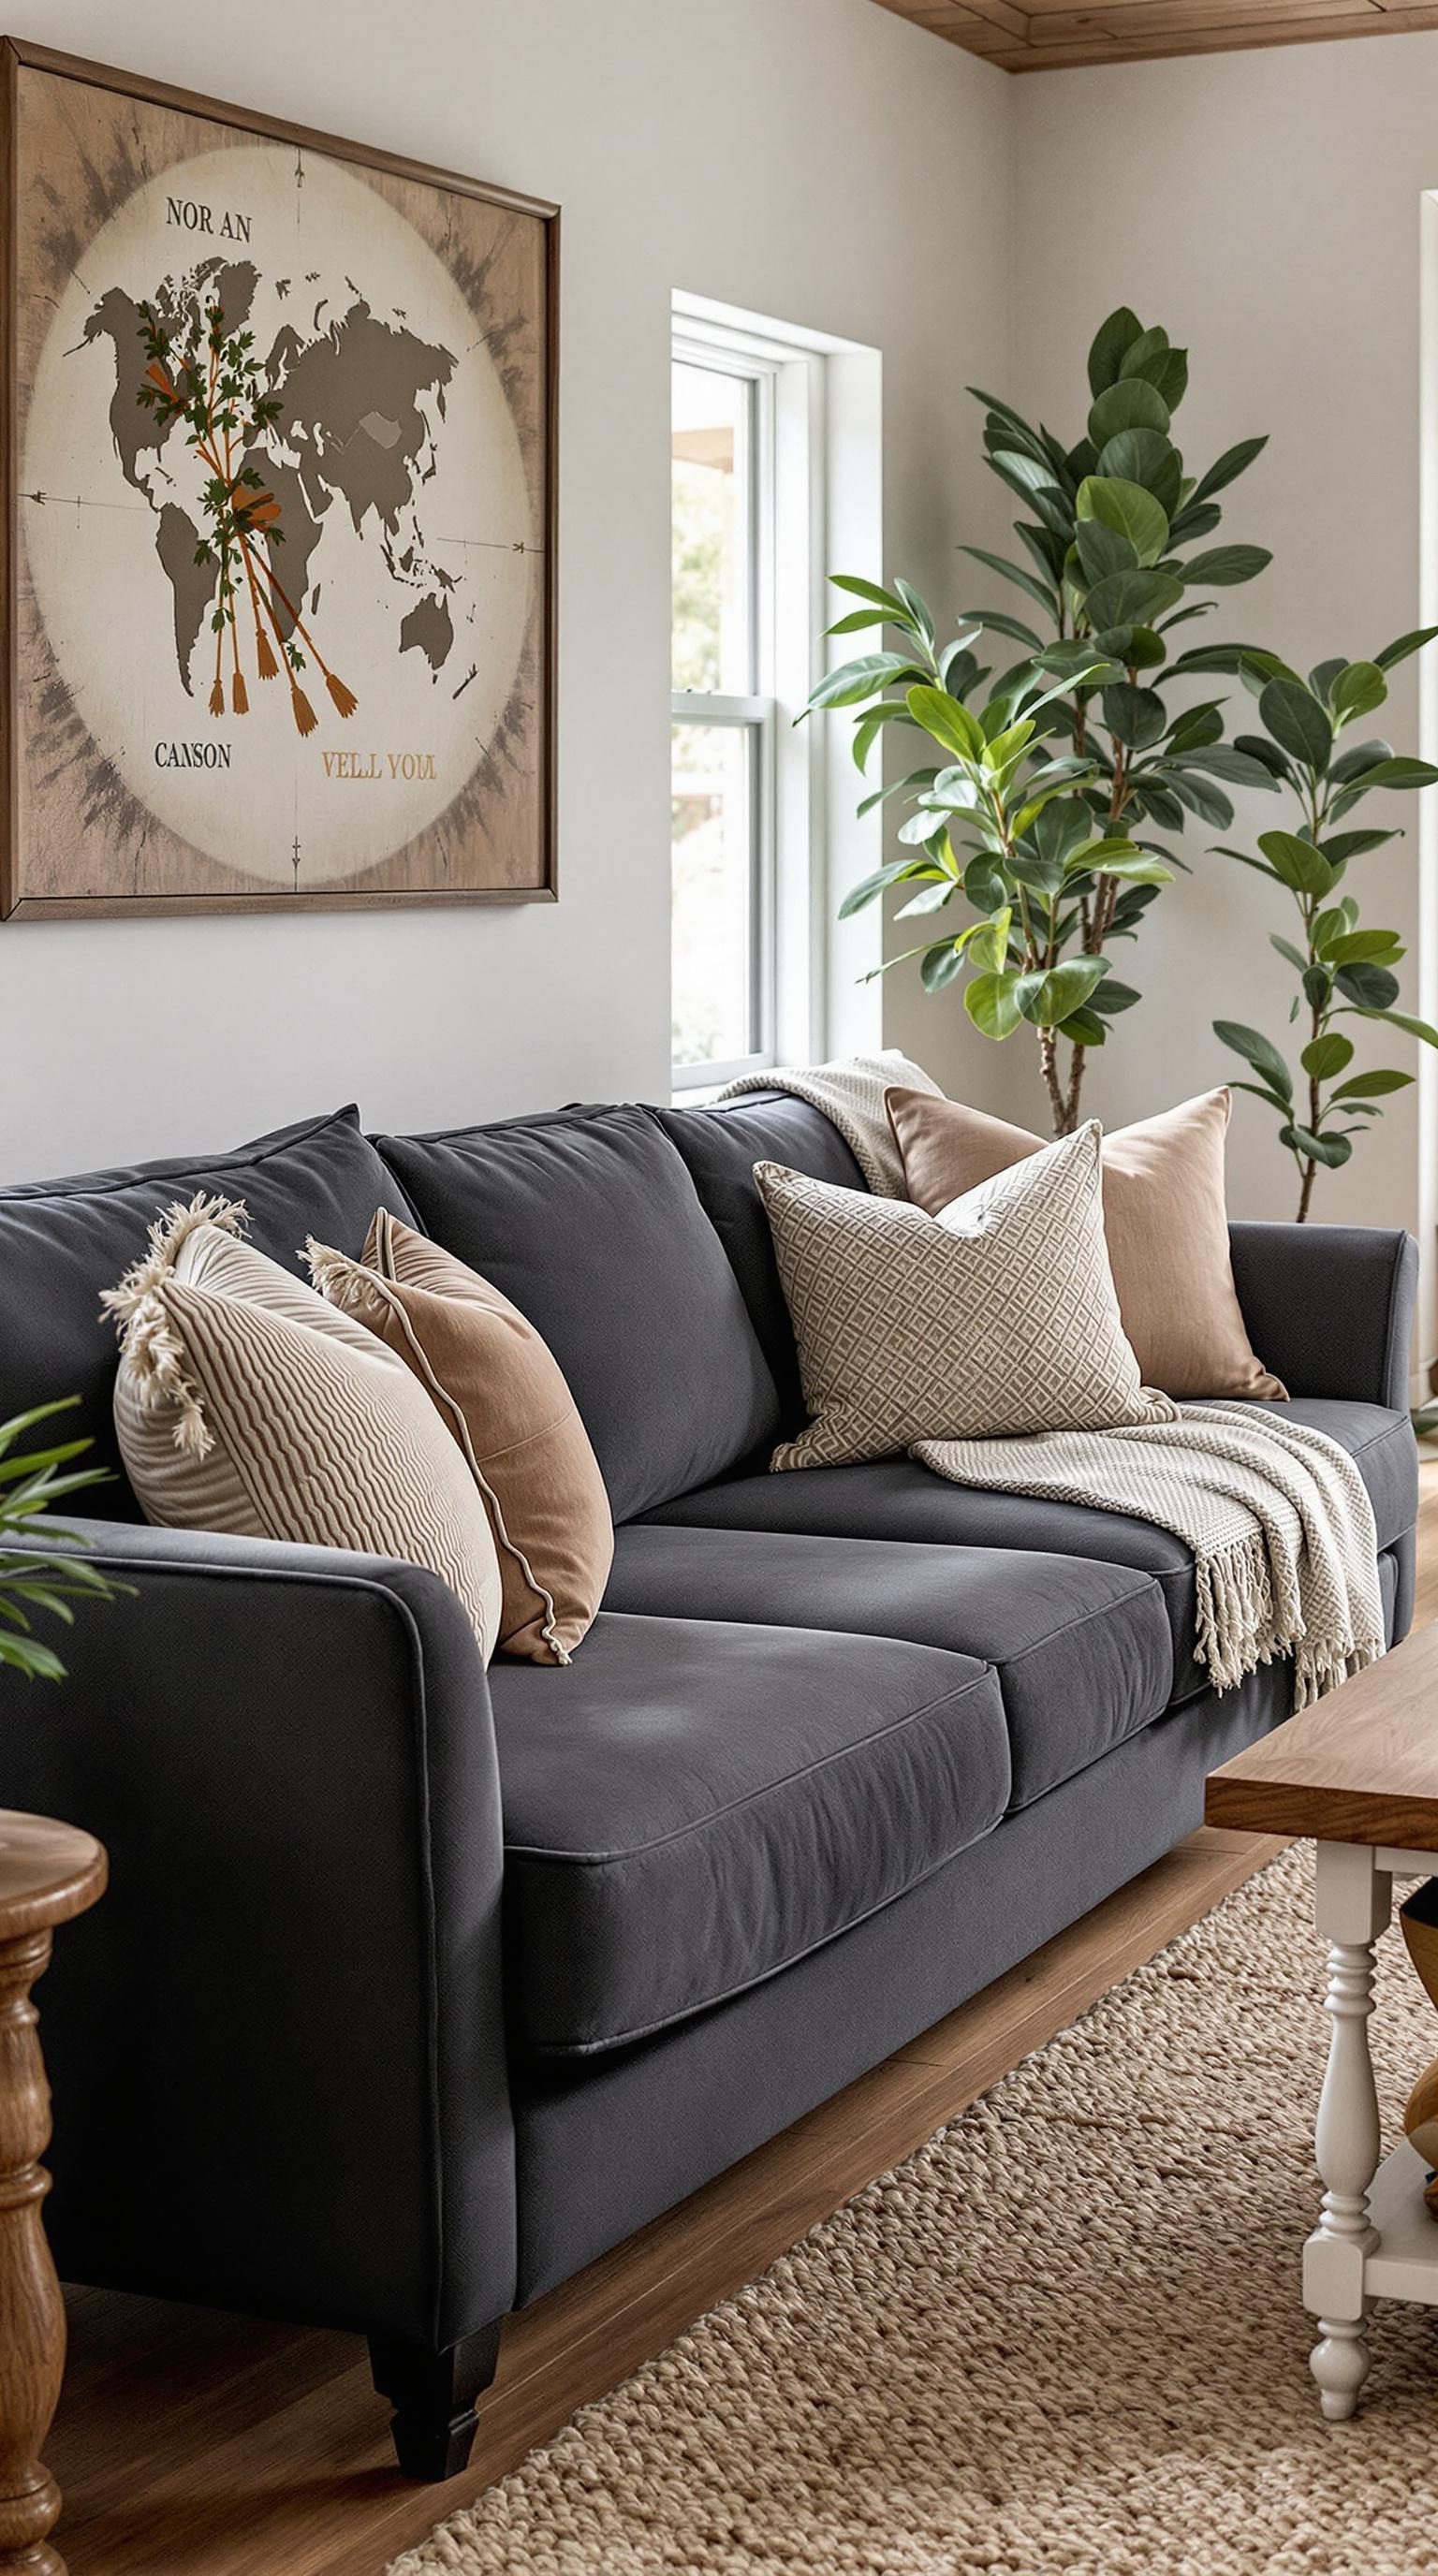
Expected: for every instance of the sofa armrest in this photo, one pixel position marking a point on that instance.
(1329, 1308)
(277, 2046)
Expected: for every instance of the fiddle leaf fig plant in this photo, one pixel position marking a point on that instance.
(1345, 970)
(1056, 775)
(42, 1577)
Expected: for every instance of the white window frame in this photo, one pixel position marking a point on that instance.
(818, 507)
(722, 352)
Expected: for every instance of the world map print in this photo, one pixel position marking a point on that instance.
(283, 505)
(349, 398)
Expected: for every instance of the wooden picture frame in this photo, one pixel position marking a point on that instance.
(364, 720)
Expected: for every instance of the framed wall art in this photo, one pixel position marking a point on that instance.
(278, 453)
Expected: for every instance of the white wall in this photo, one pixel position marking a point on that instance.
(1264, 206)
(817, 160)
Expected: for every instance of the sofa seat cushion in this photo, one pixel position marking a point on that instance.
(1084, 1652)
(62, 1242)
(589, 1223)
(690, 1806)
(894, 1498)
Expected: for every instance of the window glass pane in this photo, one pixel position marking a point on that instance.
(712, 832)
(712, 530)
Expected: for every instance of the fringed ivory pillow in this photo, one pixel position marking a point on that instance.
(245, 1403)
(999, 1316)
(502, 1395)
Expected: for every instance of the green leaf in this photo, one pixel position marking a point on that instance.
(1037, 590)
(1258, 1051)
(1340, 847)
(1301, 867)
(1413, 642)
(868, 887)
(869, 590)
(941, 964)
(1403, 1020)
(1133, 598)
(1083, 1029)
(1046, 999)
(1224, 566)
(1400, 773)
(863, 679)
(1112, 342)
(1286, 949)
(1233, 462)
(1167, 368)
(930, 898)
(918, 610)
(1330, 1150)
(1135, 716)
(1370, 1086)
(1363, 947)
(1297, 722)
(1130, 510)
(999, 622)
(991, 1003)
(1144, 456)
(1369, 988)
(857, 618)
(1102, 550)
(1326, 1055)
(947, 721)
(869, 727)
(1357, 690)
(1112, 997)
(1225, 760)
(1129, 404)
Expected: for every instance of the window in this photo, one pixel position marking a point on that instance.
(722, 753)
(757, 412)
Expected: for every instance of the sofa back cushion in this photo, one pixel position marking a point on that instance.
(721, 1145)
(62, 1242)
(589, 1223)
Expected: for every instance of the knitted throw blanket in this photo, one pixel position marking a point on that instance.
(1276, 1515)
(850, 1092)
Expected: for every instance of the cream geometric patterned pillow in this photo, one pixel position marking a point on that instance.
(995, 1319)
(245, 1403)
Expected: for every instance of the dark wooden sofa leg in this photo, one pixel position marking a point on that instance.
(434, 2395)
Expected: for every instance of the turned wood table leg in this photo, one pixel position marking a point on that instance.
(1353, 1901)
(32, 2315)
(48, 1872)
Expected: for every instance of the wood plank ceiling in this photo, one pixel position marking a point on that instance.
(1046, 35)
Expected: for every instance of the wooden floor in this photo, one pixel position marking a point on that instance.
(191, 2444)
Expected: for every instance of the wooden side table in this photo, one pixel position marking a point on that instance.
(1358, 1774)
(48, 1872)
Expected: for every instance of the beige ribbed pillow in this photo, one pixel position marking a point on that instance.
(996, 1319)
(1165, 1216)
(245, 1403)
(502, 1395)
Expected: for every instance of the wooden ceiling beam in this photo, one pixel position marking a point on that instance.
(1054, 35)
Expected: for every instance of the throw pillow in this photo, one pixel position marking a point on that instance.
(245, 1403)
(1164, 1213)
(501, 1394)
(995, 1319)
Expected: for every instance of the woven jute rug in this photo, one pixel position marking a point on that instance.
(1064, 2336)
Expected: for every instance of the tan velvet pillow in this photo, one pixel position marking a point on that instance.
(503, 1396)
(1164, 1215)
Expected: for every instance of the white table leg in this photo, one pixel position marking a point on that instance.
(1353, 1902)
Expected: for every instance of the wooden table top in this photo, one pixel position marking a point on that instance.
(1360, 1766)
(48, 1872)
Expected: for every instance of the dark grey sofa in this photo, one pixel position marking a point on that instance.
(415, 1989)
